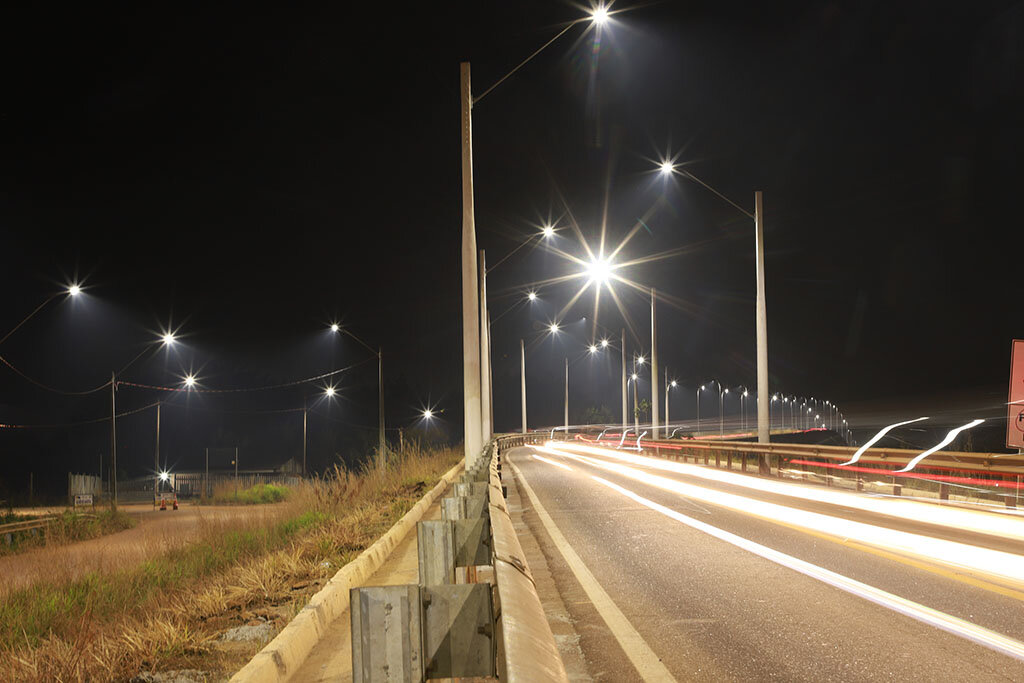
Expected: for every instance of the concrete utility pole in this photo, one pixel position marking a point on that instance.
(305, 418)
(625, 385)
(566, 395)
(485, 375)
(382, 454)
(156, 457)
(490, 376)
(654, 365)
(113, 441)
(666, 402)
(636, 405)
(522, 372)
(470, 308)
(763, 429)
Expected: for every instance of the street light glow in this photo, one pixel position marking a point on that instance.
(190, 381)
(593, 348)
(427, 414)
(329, 391)
(335, 327)
(599, 270)
(553, 328)
(604, 343)
(548, 231)
(640, 360)
(532, 296)
(600, 15)
(633, 376)
(666, 167)
(168, 338)
(164, 476)
(74, 290)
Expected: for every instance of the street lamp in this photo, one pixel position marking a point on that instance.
(553, 328)
(668, 385)
(532, 296)
(548, 232)
(379, 352)
(721, 413)
(761, 316)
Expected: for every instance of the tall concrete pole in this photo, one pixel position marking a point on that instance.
(113, 441)
(522, 374)
(470, 307)
(156, 456)
(485, 378)
(305, 419)
(654, 365)
(763, 430)
(490, 375)
(666, 403)
(382, 455)
(625, 385)
(566, 395)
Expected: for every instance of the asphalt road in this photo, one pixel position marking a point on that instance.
(712, 610)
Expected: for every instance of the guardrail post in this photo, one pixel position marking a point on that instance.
(458, 631)
(435, 549)
(387, 635)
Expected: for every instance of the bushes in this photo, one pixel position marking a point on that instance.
(255, 495)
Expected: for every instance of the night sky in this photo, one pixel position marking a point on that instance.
(250, 177)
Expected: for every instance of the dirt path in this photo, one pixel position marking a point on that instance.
(155, 532)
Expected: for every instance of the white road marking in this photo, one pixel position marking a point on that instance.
(647, 664)
(946, 622)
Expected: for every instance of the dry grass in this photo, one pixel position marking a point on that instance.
(168, 613)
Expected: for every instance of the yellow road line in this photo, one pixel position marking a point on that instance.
(647, 664)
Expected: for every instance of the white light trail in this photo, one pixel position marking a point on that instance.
(949, 439)
(876, 438)
(959, 627)
(930, 513)
(1002, 566)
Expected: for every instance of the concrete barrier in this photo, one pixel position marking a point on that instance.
(283, 656)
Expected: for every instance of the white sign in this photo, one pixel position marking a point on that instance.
(1015, 401)
(82, 499)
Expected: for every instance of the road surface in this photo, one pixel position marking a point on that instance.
(691, 584)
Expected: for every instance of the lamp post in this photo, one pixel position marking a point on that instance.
(668, 385)
(760, 312)
(522, 374)
(625, 385)
(567, 397)
(699, 389)
(379, 352)
(721, 405)
(471, 319)
(654, 364)
(168, 339)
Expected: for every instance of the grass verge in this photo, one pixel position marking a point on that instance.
(168, 612)
(254, 495)
(68, 527)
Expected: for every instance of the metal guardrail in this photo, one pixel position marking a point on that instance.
(6, 530)
(440, 628)
(993, 470)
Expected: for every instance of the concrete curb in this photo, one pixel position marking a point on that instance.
(283, 655)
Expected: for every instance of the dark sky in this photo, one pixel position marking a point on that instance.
(251, 176)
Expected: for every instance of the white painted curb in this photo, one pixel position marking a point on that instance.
(283, 656)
